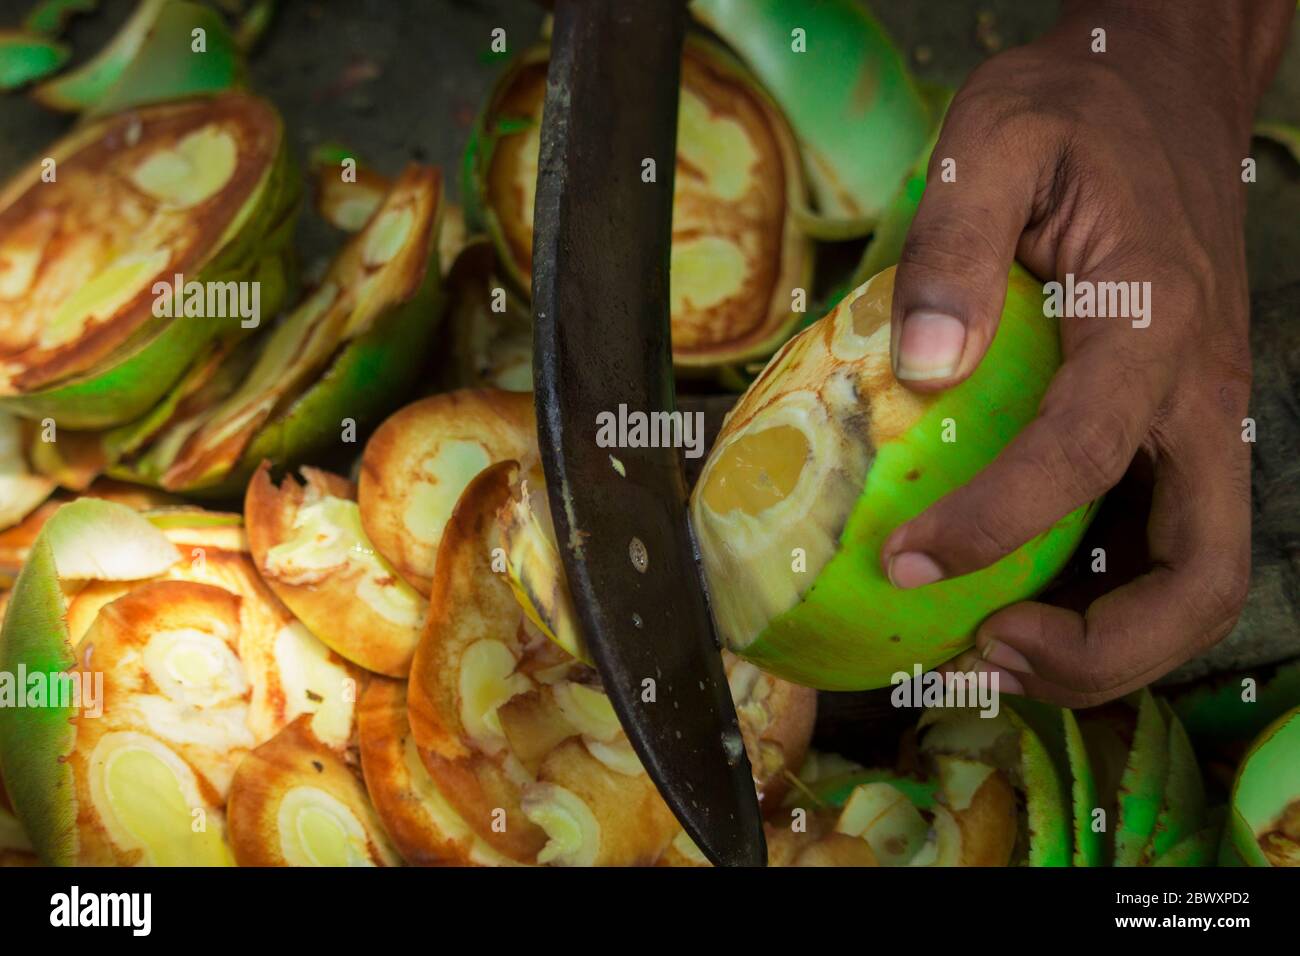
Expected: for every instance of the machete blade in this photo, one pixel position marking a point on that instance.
(603, 220)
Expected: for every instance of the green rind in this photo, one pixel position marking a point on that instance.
(1182, 812)
(1282, 134)
(1142, 785)
(34, 741)
(1089, 848)
(1058, 730)
(1047, 802)
(1268, 780)
(25, 58)
(81, 88)
(858, 114)
(165, 67)
(840, 636)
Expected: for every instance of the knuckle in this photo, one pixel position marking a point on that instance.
(1225, 592)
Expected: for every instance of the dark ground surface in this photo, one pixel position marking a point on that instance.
(402, 80)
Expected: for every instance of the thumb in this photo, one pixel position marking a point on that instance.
(952, 275)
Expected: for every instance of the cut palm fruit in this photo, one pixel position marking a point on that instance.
(188, 189)
(1263, 825)
(860, 119)
(466, 667)
(491, 330)
(341, 356)
(26, 57)
(824, 456)
(16, 541)
(171, 661)
(347, 191)
(21, 491)
(424, 827)
(295, 802)
(1007, 744)
(519, 741)
(887, 820)
(419, 461)
(310, 548)
(775, 717)
(738, 256)
(151, 58)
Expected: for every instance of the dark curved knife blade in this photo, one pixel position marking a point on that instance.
(601, 340)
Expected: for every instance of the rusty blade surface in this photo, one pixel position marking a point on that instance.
(603, 220)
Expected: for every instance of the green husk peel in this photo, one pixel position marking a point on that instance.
(27, 57)
(859, 116)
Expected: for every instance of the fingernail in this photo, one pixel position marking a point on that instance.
(929, 346)
(912, 569)
(1004, 655)
(1007, 681)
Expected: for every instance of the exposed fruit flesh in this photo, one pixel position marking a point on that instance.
(199, 664)
(381, 267)
(506, 722)
(424, 827)
(737, 256)
(295, 802)
(137, 199)
(824, 456)
(308, 543)
(418, 462)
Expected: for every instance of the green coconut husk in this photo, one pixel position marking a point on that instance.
(150, 59)
(27, 57)
(860, 118)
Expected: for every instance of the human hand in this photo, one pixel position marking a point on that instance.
(1117, 166)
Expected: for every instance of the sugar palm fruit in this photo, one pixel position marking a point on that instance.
(824, 456)
(200, 664)
(509, 744)
(336, 361)
(201, 188)
(419, 461)
(737, 255)
(1263, 825)
(308, 543)
(295, 801)
(152, 57)
(860, 119)
(1224, 713)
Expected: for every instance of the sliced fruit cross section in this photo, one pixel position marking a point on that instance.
(737, 255)
(86, 234)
